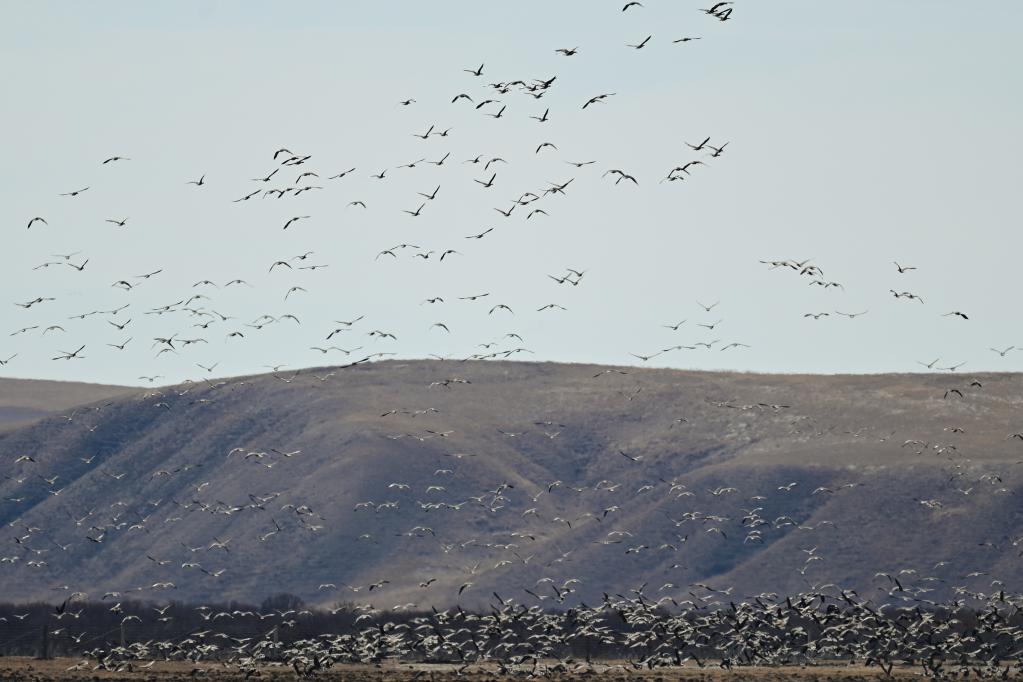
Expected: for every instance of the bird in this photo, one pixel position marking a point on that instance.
(291, 221)
(717, 151)
(198, 183)
(65, 355)
(633, 3)
(957, 314)
(1002, 352)
(906, 295)
(642, 44)
(35, 220)
(341, 174)
(714, 9)
(74, 193)
(476, 72)
(597, 99)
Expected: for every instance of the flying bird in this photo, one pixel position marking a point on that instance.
(294, 220)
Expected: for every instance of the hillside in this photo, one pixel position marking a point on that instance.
(498, 475)
(22, 401)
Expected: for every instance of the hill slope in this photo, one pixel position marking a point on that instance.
(499, 474)
(22, 401)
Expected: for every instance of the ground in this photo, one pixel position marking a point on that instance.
(17, 669)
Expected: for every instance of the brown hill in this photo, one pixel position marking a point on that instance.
(500, 475)
(23, 401)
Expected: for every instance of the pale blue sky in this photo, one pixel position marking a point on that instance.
(860, 133)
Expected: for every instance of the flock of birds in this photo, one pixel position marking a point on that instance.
(510, 638)
(977, 631)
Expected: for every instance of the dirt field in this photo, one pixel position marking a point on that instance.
(18, 669)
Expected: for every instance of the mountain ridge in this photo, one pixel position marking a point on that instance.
(500, 474)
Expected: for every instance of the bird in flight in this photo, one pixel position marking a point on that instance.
(74, 193)
(641, 45)
(698, 147)
(906, 295)
(475, 72)
(598, 98)
(482, 234)
(64, 355)
(294, 220)
(714, 9)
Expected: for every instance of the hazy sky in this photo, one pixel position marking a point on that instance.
(860, 133)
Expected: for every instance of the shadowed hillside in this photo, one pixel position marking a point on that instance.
(22, 401)
(494, 476)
